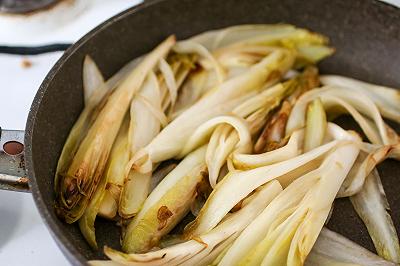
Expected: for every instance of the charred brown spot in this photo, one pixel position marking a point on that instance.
(136, 165)
(70, 185)
(237, 207)
(199, 240)
(274, 75)
(163, 215)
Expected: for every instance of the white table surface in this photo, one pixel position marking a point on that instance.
(24, 239)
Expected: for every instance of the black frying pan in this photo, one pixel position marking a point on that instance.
(365, 33)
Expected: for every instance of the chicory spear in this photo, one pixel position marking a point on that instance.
(173, 73)
(315, 125)
(193, 252)
(387, 99)
(310, 46)
(92, 78)
(145, 124)
(336, 248)
(103, 201)
(87, 117)
(81, 177)
(115, 172)
(372, 207)
(168, 144)
(166, 205)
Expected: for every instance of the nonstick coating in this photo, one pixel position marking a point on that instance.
(365, 33)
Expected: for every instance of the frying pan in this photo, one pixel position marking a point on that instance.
(365, 33)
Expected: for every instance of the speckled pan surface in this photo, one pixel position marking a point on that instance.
(366, 34)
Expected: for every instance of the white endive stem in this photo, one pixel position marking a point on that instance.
(292, 149)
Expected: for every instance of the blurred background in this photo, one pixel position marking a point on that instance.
(32, 27)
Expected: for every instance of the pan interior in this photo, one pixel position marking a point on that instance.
(366, 35)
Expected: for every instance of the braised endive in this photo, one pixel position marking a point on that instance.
(166, 204)
(221, 150)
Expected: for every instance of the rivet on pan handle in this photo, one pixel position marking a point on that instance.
(12, 164)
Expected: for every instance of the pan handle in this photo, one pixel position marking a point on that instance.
(12, 164)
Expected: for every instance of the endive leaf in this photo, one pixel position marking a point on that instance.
(161, 172)
(292, 149)
(189, 46)
(317, 260)
(387, 99)
(86, 118)
(115, 172)
(226, 36)
(191, 91)
(372, 207)
(290, 232)
(315, 125)
(352, 101)
(332, 246)
(169, 80)
(114, 169)
(92, 78)
(144, 126)
(202, 133)
(362, 168)
(166, 204)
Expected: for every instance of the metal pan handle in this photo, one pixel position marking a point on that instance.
(12, 164)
